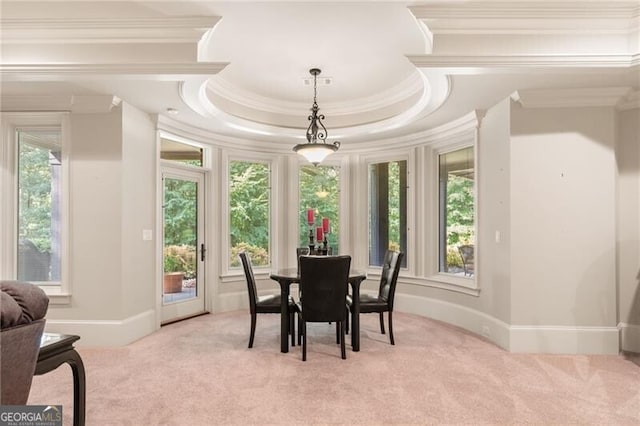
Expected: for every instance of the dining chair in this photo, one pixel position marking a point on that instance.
(383, 302)
(466, 253)
(324, 281)
(266, 304)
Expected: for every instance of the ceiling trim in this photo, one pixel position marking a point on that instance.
(55, 72)
(520, 62)
(407, 88)
(525, 17)
(86, 104)
(178, 29)
(568, 98)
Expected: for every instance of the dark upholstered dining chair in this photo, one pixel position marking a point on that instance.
(383, 302)
(267, 304)
(324, 281)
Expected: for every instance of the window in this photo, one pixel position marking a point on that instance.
(456, 211)
(320, 192)
(387, 210)
(39, 206)
(249, 215)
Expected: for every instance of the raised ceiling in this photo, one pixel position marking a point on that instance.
(391, 71)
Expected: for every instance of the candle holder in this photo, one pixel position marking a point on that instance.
(312, 245)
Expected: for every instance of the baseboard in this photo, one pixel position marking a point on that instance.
(629, 337)
(474, 321)
(106, 332)
(529, 339)
(565, 340)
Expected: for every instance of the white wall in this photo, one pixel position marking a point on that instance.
(563, 236)
(112, 271)
(628, 220)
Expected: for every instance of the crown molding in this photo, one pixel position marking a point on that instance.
(179, 29)
(631, 101)
(527, 17)
(476, 63)
(55, 72)
(410, 86)
(570, 98)
(92, 104)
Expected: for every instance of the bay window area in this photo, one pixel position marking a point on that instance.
(320, 193)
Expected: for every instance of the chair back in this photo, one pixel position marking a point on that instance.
(251, 281)
(389, 278)
(324, 281)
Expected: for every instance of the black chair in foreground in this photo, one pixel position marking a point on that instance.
(268, 304)
(324, 281)
(383, 302)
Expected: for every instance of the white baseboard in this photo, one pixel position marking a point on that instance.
(530, 339)
(629, 337)
(106, 332)
(474, 321)
(565, 340)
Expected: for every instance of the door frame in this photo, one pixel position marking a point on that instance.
(180, 310)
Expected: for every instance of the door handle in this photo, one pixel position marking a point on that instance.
(202, 251)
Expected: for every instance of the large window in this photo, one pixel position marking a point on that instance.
(387, 209)
(319, 192)
(457, 212)
(39, 205)
(249, 190)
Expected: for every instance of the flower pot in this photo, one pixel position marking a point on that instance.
(172, 282)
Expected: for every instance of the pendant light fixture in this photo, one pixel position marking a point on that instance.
(316, 149)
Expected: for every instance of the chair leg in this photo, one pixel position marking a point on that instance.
(391, 328)
(343, 349)
(381, 323)
(304, 341)
(299, 330)
(292, 328)
(253, 329)
(346, 326)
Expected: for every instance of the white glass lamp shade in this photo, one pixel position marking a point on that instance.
(315, 153)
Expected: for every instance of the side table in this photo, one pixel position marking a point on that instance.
(55, 350)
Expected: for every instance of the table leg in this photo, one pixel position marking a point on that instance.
(284, 317)
(79, 388)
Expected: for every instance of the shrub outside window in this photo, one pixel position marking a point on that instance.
(249, 193)
(457, 212)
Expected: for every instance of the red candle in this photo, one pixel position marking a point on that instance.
(319, 234)
(325, 225)
(310, 218)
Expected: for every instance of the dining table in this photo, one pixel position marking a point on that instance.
(286, 277)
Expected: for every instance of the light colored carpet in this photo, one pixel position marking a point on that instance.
(200, 372)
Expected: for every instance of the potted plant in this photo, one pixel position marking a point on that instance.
(173, 273)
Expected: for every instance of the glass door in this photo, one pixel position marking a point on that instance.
(183, 244)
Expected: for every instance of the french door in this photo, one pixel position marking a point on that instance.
(183, 247)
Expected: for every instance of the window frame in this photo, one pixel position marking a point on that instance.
(367, 161)
(465, 283)
(58, 292)
(228, 157)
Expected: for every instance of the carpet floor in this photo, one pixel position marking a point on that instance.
(200, 372)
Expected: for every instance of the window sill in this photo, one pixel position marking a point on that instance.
(466, 285)
(56, 295)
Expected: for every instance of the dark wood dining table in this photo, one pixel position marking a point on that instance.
(286, 277)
